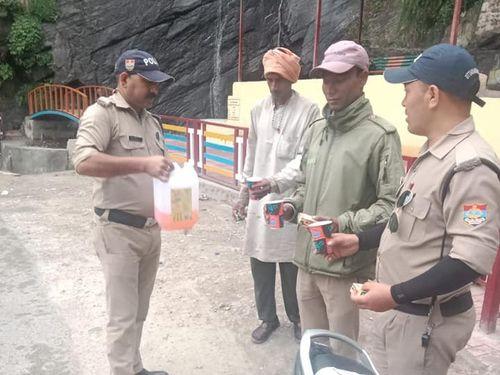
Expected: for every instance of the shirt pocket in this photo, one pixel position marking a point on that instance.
(285, 149)
(412, 223)
(133, 145)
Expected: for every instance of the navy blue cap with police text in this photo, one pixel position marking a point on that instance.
(141, 63)
(449, 67)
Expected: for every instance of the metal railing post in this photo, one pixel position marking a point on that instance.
(455, 23)
(200, 132)
(191, 156)
(240, 149)
(317, 33)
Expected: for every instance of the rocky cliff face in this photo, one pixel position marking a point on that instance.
(197, 40)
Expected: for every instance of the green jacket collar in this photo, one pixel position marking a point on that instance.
(349, 117)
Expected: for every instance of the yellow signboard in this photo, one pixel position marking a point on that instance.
(233, 108)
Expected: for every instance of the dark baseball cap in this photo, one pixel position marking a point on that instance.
(449, 67)
(142, 64)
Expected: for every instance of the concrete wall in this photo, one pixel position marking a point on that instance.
(49, 129)
(19, 158)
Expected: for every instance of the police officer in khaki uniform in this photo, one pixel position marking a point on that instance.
(444, 230)
(121, 144)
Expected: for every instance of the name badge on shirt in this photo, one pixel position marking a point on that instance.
(133, 138)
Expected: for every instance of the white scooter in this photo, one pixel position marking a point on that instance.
(322, 352)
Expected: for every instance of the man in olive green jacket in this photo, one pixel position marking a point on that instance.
(351, 167)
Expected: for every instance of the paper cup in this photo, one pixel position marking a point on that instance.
(305, 219)
(357, 288)
(320, 232)
(273, 213)
(252, 180)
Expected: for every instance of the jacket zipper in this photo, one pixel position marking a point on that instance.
(384, 172)
(325, 162)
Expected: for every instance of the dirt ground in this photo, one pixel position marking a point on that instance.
(52, 310)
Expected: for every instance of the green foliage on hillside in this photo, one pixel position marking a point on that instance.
(22, 49)
(420, 16)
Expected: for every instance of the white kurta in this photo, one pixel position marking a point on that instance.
(274, 149)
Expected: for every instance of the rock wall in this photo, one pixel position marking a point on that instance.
(488, 25)
(195, 41)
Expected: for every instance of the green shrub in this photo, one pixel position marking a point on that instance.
(6, 72)
(9, 7)
(25, 40)
(44, 10)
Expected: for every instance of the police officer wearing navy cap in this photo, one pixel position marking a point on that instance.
(444, 230)
(120, 143)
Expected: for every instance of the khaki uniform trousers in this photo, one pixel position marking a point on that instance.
(397, 342)
(325, 303)
(129, 258)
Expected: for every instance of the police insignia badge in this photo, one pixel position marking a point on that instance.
(475, 214)
(129, 64)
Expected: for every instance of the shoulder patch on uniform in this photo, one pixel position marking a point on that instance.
(158, 121)
(475, 213)
(466, 157)
(104, 101)
(157, 117)
(384, 124)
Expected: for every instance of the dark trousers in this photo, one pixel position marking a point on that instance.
(264, 279)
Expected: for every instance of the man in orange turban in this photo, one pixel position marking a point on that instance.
(282, 61)
(274, 152)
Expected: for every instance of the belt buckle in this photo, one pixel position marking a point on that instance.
(150, 221)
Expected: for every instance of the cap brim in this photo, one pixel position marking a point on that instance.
(480, 102)
(155, 76)
(332, 67)
(399, 75)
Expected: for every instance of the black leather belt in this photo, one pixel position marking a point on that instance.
(122, 217)
(454, 306)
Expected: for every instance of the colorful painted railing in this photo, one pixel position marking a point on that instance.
(216, 149)
(379, 64)
(218, 152)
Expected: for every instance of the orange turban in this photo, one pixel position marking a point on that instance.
(282, 61)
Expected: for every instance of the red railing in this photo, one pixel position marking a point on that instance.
(93, 92)
(57, 98)
(491, 301)
(60, 98)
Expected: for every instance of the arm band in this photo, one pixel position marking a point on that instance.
(447, 275)
(370, 238)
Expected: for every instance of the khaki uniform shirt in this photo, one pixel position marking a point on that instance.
(111, 126)
(470, 212)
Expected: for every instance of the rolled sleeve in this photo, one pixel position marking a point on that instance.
(94, 134)
(471, 211)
